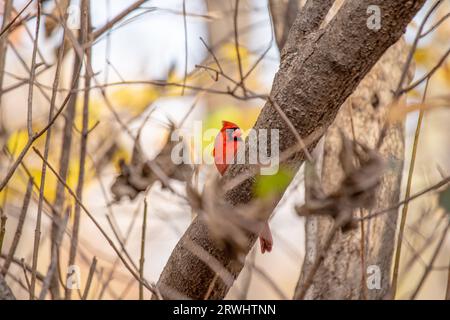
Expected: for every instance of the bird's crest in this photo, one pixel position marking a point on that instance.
(229, 125)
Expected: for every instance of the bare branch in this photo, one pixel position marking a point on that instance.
(89, 279)
(5, 290)
(407, 194)
(310, 86)
(100, 31)
(6, 28)
(91, 217)
(18, 233)
(86, 25)
(141, 261)
(7, 8)
(431, 263)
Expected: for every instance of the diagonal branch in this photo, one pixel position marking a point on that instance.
(311, 85)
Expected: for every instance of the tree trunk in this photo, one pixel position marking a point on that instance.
(314, 80)
(343, 273)
(5, 291)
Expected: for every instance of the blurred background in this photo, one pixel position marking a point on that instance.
(157, 43)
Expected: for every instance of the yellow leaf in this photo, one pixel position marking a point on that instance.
(17, 142)
(423, 56)
(134, 99)
(94, 107)
(229, 52)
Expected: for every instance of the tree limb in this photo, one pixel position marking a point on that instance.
(343, 273)
(5, 291)
(314, 80)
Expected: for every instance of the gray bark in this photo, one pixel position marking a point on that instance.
(314, 80)
(343, 274)
(5, 291)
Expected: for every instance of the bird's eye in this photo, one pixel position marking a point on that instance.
(233, 134)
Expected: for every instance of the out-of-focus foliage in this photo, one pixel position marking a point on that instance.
(134, 99)
(270, 185)
(444, 199)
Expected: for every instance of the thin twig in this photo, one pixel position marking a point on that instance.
(14, 19)
(39, 85)
(108, 25)
(141, 261)
(413, 48)
(236, 44)
(428, 75)
(361, 214)
(66, 145)
(407, 194)
(435, 26)
(417, 254)
(44, 167)
(91, 217)
(430, 264)
(3, 219)
(125, 240)
(18, 262)
(30, 141)
(212, 54)
(33, 73)
(185, 47)
(436, 186)
(86, 25)
(447, 294)
(18, 233)
(24, 268)
(293, 130)
(90, 277)
(52, 268)
(7, 8)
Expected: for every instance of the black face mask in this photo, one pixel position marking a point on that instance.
(230, 133)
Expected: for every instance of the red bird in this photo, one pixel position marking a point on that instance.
(225, 149)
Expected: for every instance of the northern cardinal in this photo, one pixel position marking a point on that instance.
(225, 149)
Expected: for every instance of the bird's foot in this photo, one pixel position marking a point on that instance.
(265, 239)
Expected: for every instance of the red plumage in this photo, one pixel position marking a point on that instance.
(226, 146)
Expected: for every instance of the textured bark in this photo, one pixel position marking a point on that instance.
(342, 274)
(5, 291)
(341, 277)
(314, 80)
(310, 17)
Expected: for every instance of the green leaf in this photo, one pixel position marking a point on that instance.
(444, 199)
(270, 185)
